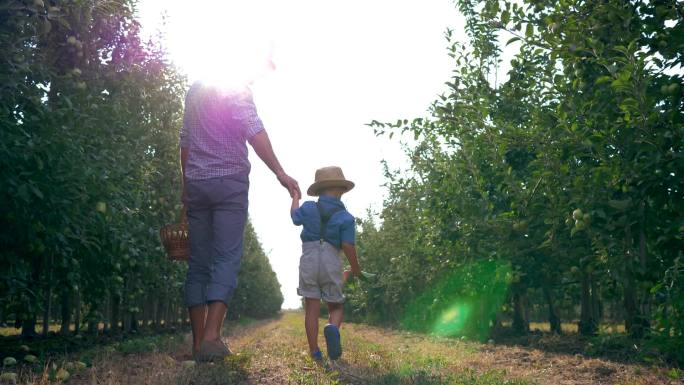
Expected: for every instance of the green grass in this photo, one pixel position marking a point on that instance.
(422, 377)
(376, 357)
(275, 352)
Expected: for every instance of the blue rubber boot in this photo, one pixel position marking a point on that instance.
(332, 340)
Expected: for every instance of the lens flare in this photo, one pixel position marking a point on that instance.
(464, 302)
(452, 320)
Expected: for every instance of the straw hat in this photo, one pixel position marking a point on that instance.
(328, 177)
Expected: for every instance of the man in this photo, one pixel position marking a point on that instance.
(217, 124)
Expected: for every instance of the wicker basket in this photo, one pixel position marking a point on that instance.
(174, 237)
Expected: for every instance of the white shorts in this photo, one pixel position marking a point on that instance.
(320, 272)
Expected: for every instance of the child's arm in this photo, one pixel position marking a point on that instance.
(350, 252)
(295, 202)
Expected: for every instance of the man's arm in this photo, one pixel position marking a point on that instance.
(184, 160)
(262, 146)
(350, 252)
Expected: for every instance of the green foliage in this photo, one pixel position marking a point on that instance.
(89, 121)
(570, 168)
(258, 293)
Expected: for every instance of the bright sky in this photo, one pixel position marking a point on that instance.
(340, 64)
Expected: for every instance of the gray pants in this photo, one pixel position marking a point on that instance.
(217, 213)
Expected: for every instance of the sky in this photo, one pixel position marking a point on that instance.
(339, 65)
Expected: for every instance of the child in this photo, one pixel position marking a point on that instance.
(327, 228)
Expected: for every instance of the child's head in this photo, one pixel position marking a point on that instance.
(330, 181)
(333, 192)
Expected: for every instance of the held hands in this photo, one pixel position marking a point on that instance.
(290, 184)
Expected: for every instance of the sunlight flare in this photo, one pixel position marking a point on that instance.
(224, 43)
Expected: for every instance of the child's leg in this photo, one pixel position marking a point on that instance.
(332, 330)
(335, 311)
(312, 307)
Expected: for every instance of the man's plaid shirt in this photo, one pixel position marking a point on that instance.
(216, 127)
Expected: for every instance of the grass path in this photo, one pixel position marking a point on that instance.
(273, 352)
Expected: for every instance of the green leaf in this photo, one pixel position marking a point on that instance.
(512, 40)
(505, 17)
(603, 79)
(37, 192)
(529, 30)
(620, 205)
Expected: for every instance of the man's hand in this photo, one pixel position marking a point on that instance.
(290, 184)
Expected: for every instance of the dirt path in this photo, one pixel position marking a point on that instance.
(274, 352)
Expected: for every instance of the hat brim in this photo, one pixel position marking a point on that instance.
(315, 189)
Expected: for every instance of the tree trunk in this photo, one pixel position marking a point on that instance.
(588, 324)
(46, 310)
(634, 324)
(134, 322)
(107, 315)
(147, 312)
(115, 315)
(554, 319)
(66, 312)
(521, 324)
(28, 327)
(93, 320)
(77, 315)
(166, 313)
(156, 314)
(171, 313)
(595, 300)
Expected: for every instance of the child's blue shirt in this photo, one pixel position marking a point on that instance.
(341, 226)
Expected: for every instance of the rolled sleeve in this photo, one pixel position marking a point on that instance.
(246, 113)
(348, 231)
(299, 214)
(297, 217)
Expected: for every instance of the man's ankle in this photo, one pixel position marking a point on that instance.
(213, 338)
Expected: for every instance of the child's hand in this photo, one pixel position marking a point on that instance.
(357, 273)
(346, 275)
(295, 201)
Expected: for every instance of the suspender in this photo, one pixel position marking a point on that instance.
(325, 218)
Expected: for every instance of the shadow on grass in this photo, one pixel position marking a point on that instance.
(233, 370)
(615, 347)
(417, 376)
